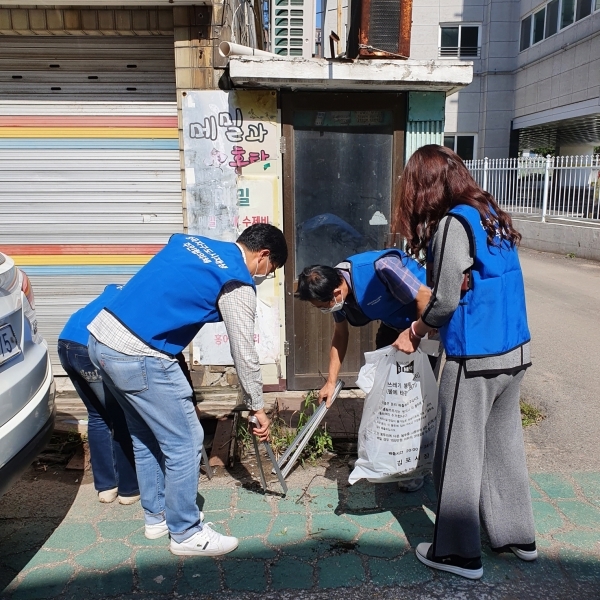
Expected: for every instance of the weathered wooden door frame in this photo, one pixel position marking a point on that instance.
(291, 101)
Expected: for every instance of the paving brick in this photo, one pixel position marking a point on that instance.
(139, 539)
(499, 568)
(290, 573)
(415, 525)
(157, 570)
(29, 537)
(200, 574)
(46, 557)
(323, 499)
(381, 543)
(546, 517)
(46, 582)
(406, 570)
(535, 494)
(88, 584)
(213, 500)
(72, 536)
(120, 512)
(289, 504)
(344, 570)
(309, 548)
(584, 540)
(249, 524)
(580, 566)
(287, 529)
(253, 548)
(252, 501)
(245, 575)
(390, 497)
(579, 513)
(104, 556)
(118, 530)
(545, 568)
(333, 527)
(589, 483)
(555, 486)
(377, 520)
(362, 496)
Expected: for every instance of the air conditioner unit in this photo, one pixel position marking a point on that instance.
(380, 29)
(293, 27)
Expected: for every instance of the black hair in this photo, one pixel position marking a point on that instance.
(262, 236)
(317, 282)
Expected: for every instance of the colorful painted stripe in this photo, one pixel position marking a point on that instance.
(88, 144)
(66, 249)
(33, 270)
(89, 132)
(81, 259)
(87, 121)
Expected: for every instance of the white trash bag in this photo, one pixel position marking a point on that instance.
(397, 429)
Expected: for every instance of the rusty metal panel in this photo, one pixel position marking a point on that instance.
(385, 29)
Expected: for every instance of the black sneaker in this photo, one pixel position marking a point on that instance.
(465, 567)
(523, 551)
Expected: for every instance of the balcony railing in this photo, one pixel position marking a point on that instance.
(459, 52)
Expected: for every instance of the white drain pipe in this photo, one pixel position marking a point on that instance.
(227, 49)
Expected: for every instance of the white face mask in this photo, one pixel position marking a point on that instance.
(337, 306)
(260, 278)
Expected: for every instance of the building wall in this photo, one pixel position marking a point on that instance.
(560, 70)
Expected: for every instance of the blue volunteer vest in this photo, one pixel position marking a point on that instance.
(169, 299)
(75, 329)
(491, 318)
(374, 297)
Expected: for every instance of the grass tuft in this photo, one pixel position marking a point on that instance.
(530, 415)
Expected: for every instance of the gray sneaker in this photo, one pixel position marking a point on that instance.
(411, 485)
(207, 542)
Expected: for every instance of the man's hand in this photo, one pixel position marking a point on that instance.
(406, 342)
(326, 392)
(261, 431)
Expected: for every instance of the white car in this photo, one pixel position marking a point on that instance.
(27, 391)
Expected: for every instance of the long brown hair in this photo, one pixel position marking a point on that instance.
(435, 180)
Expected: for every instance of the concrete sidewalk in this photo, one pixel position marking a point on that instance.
(327, 540)
(324, 540)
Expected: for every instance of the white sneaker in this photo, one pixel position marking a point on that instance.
(108, 496)
(411, 485)
(157, 530)
(207, 542)
(129, 499)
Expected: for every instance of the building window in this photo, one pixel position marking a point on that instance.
(525, 33)
(553, 16)
(463, 145)
(460, 41)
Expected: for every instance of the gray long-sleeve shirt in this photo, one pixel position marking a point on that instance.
(452, 257)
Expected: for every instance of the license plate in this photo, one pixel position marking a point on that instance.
(9, 347)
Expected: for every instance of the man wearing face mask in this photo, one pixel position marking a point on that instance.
(386, 286)
(192, 281)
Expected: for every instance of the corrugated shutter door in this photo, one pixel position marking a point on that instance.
(89, 180)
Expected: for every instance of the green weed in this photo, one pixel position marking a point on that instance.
(530, 415)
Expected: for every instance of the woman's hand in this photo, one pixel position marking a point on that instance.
(406, 342)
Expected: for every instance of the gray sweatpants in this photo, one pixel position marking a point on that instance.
(479, 464)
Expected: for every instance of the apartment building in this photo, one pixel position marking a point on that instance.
(536, 73)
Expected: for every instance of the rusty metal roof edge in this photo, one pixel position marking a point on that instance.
(363, 74)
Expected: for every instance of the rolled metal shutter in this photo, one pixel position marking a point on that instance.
(89, 174)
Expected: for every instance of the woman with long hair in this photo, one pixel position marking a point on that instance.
(478, 306)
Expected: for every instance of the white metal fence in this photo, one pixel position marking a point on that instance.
(561, 186)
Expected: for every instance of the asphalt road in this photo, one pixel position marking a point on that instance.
(563, 305)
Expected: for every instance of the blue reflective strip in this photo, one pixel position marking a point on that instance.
(92, 143)
(82, 270)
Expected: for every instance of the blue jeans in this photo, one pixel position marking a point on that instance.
(166, 433)
(111, 450)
